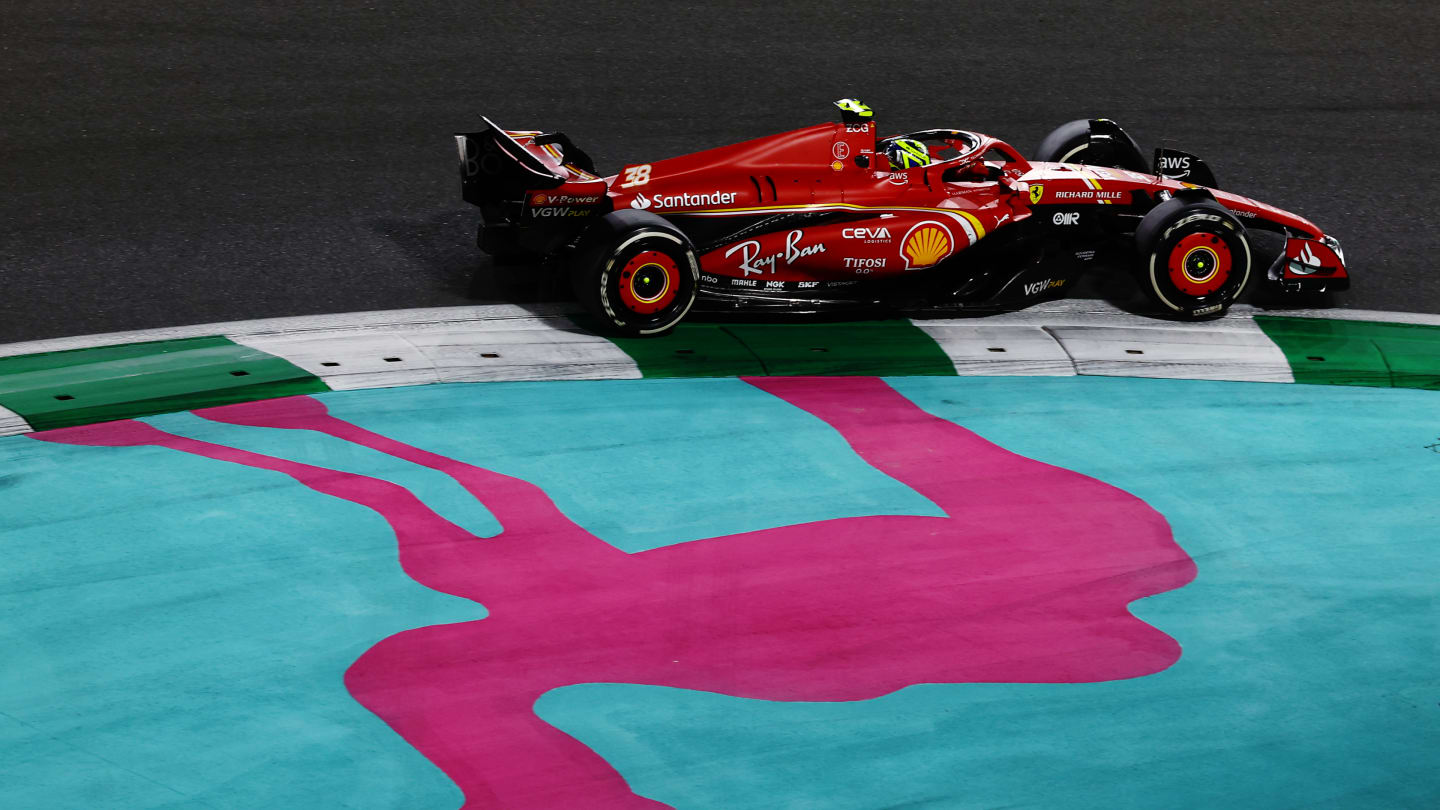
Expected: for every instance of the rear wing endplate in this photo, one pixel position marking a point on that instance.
(494, 167)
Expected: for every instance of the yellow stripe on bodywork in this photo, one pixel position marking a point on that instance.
(967, 216)
(1093, 182)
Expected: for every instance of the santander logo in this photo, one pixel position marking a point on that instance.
(683, 200)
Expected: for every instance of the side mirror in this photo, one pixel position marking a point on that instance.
(976, 172)
(984, 171)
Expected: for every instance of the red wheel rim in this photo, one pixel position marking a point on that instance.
(649, 282)
(1199, 264)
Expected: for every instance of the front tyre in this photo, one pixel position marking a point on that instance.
(1194, 258)
(636, 273)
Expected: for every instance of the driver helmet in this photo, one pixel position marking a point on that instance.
(906, 153)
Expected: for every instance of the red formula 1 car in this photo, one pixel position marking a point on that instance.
(831, 215)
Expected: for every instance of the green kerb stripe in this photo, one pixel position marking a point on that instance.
(885, 348)
(59, 389)
(1333, 352)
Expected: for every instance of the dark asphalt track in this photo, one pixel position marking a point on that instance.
(167, 163)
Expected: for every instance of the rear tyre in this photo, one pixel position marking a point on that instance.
(1070, 143)
(636, 273)
(1194, 258)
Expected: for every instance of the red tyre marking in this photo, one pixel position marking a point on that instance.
(649, 282)
(1199, 264)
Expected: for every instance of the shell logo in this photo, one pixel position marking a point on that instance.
(538, 199)
(927, 244)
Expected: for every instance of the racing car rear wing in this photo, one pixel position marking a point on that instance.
(534, 189)
(494, 167)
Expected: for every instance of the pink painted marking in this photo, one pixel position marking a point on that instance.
(1027, 579)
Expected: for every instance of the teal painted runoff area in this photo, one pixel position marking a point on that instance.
(439, 491)
(175, 629)
(1308, 673)
(644, 463)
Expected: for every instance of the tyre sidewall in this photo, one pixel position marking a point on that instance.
(1070, 142)
(602, 258)
(1064, 140)
(1155, 270)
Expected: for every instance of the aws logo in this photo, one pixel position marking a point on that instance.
(927, 244)
(1174, 167)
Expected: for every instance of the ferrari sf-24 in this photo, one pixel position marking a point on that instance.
(833, 215)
